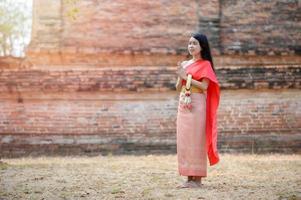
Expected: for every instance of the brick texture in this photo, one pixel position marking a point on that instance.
(260, 27)
(248, 121)
(104, 83)
(140, 79)
(135, 31)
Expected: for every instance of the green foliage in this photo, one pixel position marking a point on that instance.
(15, 21)
(72, 10)
(3, 165)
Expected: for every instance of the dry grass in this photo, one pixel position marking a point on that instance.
(149, 177)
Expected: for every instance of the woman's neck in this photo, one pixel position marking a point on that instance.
(195, 58)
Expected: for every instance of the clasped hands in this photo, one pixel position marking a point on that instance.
(181, 72)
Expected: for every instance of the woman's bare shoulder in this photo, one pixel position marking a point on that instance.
(185, 62)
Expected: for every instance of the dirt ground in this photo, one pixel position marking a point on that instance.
(237, 176)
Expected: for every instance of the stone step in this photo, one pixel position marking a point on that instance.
(93, 145)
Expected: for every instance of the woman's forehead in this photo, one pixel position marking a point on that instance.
(192, 39)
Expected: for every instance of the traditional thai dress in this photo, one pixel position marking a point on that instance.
(196, 128)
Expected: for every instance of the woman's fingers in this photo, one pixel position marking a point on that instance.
(181, 72)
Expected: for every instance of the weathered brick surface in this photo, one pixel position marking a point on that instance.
(102, 28)
(260, 27)
(105, 82)
(258, 121)
(131, 24)
(131, 32)
(160, 78)
(209, 22)
(272, 77)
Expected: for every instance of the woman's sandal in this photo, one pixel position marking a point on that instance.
(190, 184)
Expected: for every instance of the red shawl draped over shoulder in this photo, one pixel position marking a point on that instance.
(202, 69)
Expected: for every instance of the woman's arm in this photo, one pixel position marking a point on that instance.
(179, 81)
(203, 85)
(179, 84)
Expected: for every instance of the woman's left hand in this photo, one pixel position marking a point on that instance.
(182, 73)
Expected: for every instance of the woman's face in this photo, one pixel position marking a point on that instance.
(194, 47)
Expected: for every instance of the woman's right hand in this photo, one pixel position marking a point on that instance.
(179, 68)
(181, 72)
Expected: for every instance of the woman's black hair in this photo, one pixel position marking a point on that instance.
(205, 48)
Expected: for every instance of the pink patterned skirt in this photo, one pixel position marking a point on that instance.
(191, 138)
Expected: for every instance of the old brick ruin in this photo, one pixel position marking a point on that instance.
(105, 82)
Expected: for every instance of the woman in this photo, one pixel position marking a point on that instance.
(196, 127)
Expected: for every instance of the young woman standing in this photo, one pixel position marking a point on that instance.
(196, 118)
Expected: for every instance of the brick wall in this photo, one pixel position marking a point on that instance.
(132, 29)
(63, 111)
(105, 82)
(159, 78)
(89, 122)
(146, 32)
(209, 23)
(260, 27)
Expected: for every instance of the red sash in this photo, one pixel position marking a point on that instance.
(202, 69)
